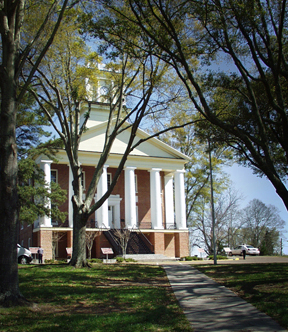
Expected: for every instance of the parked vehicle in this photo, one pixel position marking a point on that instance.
(250, 250)
(24, 255)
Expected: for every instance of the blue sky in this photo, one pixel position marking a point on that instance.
(252, 186)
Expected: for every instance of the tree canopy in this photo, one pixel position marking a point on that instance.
(16, 52)
(231, 58)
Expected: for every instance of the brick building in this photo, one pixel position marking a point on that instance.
(149, 197)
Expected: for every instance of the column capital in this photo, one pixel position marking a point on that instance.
(130, 167)
(46, 161)
(155, 170)
(180, 171)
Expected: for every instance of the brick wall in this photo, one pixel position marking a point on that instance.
(169, 242)
(26, 233)
(45, 242)
(182, 244)
(144, 213)
(159, 243)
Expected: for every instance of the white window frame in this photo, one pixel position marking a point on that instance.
(56, 171)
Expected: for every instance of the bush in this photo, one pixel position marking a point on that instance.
(192, 258)
(219, 257)
(95, 260)
(129, 260)
(120, 259)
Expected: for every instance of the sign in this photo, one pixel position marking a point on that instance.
(107, 251)
(69, 251)
(201, 250)
(33, 250)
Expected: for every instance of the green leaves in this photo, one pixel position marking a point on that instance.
(35, 196)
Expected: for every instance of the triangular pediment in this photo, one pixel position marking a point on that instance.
(93, 141)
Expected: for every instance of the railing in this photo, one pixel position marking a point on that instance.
(112, 240)
(145, 240)
(170, 226)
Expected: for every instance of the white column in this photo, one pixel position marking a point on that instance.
(180, 205)
(102, 212)
(130, 198)
(45, 165)
(169, 201)
(155, 198)
(70, 194)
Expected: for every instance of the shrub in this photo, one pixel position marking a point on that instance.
(129, 260)
(192, 258)
(219, 257)
(95, 260)
(120, 259)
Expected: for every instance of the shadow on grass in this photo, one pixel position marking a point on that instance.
(158, 319)
(103, 298)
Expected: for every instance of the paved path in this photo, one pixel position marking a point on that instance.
(212, 307)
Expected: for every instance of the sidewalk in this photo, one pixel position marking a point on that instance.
(214, 308)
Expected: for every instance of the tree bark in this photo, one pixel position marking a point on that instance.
(9, 289)
(79, 241)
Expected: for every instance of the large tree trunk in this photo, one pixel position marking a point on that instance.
(79, 241)
(9, 289)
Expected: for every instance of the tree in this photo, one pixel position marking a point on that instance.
(14, 54)
(227, 223)
(90, 236)
(34, 194)
(261, 225)
(270, 244)
(250, 38)
(56, 238)
(122, 236)
(63, 88)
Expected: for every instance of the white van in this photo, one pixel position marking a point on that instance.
(24, 255)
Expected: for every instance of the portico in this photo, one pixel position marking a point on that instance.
(148, 198)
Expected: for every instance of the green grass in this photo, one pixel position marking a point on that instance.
(263, 285)
(106, 298)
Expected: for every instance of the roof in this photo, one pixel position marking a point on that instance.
(93, 141)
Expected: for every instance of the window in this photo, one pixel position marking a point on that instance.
(83, 180)
(54, 175)
(136, 184)
(54, 178)
(109, 179)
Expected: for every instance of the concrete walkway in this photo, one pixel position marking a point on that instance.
(214, 308)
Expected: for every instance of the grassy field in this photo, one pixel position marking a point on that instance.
(104, 298)
(263, 285)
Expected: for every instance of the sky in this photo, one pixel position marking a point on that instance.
(252, 186)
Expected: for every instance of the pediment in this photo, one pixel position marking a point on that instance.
(93, 141)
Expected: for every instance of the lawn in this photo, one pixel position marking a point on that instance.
(122, 297)
(263, 285)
